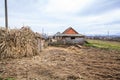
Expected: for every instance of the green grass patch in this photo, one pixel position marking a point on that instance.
(103, 44)
(7, 79)
(10, 79)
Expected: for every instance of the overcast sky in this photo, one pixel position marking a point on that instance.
(85, 16)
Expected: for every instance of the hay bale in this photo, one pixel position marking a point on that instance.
(2, 42)
(18, 43)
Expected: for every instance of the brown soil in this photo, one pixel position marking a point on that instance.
(56, 63)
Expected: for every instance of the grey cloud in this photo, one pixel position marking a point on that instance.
(99, 7)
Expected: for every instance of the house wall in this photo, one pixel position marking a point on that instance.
(68, 40)
(77, 40)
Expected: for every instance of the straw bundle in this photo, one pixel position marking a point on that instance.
(2, 42)
(18, 43)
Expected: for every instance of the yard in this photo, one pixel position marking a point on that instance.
(65, 63)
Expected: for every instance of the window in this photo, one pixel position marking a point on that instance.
(72, 37)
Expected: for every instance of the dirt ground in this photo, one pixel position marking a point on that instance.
(69, 63)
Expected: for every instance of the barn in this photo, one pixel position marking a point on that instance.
(69, 36)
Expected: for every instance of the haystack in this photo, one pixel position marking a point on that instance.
(18, 43)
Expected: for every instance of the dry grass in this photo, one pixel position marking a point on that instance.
(18, 43)
(59, 63)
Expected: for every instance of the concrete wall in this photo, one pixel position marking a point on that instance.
(67, 40)
(73, 41)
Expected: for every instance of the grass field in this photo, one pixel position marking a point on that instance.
(112, 45)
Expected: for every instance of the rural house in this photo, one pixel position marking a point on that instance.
(69, 36)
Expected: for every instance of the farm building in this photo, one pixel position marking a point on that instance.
(69, 36)
(40, 41)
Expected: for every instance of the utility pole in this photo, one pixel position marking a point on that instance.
(42, 30)
(6, 15)
(108, 34)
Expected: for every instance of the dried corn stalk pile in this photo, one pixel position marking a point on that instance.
(17, 43)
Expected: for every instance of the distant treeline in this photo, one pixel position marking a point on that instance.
(109, 38)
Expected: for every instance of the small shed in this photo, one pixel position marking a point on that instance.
(69, 36)
(40, 41)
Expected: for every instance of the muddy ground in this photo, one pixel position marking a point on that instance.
(69, 63)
